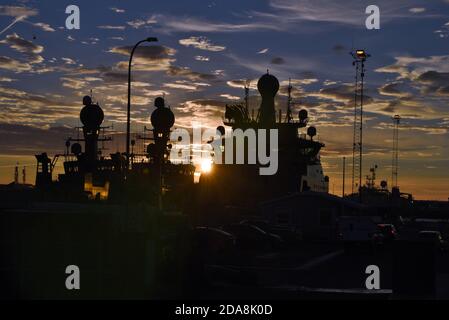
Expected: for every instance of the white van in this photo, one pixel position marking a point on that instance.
(354, 229)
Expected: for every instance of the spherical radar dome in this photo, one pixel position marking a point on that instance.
(303, 114)
(311, 131)
(268, 85)
(162, 118)
(91, 115)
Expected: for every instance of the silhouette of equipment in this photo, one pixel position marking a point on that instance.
(268, 86)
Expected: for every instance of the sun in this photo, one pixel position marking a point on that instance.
(206, 166)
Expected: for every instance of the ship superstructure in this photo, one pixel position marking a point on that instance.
(299, 166)
(90, 175)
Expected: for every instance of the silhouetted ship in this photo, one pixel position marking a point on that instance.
(298, 168)
(90, 175)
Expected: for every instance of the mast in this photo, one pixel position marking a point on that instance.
(395, 162)
(359, 58)
(247, 96)
(289, 102)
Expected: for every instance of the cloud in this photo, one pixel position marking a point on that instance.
(435, 82)
(68, 61)
(284, 15)
(136, 24)
(278, 60)
(182, 86)
(191, 24)
(44, 26)
(341, 93)
(26, 47)
(339, 48)
(146, 58)
(139, 23)
(411, 106)
(420, 72)
(329, 82)
(73, 83)
(393, 89)
(6, 79)
(189, 74)
(117, 10)
(201, 43)
(350, 12)
(299, 82)
(241, 83)
(426, 126)
(34, 109)
(16, 11)
(14, 65)
(32, 139)
(201, 58)
(115, 77)
(230, 97)
(202, 111)
(22, 45)
(417, 10)
(108, 27)
(408, 67)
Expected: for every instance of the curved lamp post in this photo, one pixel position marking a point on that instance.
(128, 119)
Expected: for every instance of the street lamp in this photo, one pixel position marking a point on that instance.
(128, 119)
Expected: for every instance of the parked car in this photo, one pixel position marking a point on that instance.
(214, 241)
(252, 237)
(262, 224)
(357, 229)
(286, 235)
(387, 232)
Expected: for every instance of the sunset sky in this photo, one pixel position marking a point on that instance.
(207, 49)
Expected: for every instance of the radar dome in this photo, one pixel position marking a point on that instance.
(91, 116)
(162, 118)
(268, 85)
(303, 114)
(311, 131)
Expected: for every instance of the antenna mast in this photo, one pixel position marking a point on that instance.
(16, 174)
(359, 58)
(289, 102)
(247, 96)
(395, 162)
